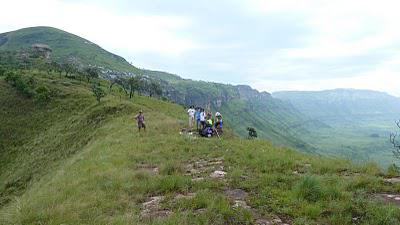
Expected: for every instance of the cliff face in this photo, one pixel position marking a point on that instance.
(247, 93)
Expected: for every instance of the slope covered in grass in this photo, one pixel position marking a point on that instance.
(275, 120)
(34, 137)
(64, 45)
(89, 165)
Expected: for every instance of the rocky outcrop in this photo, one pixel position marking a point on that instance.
(42, 50)
(248, 93)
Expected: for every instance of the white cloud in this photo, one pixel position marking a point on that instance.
(337, 31)
(136, 33)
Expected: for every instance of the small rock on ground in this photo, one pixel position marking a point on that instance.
(236, 194)
(148, 167)
(389, 198)
(241, 204)
(393, 180)
(218, 174)
(186, 196)
(197, 179)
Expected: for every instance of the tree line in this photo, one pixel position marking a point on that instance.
(71, 68)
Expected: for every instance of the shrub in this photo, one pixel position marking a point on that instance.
(309, 189)
(24, 87)
(42, 95)
(252, 133)
(2, 71)
(98, 92)
(11, 77)
(393, 170)
(171, 168)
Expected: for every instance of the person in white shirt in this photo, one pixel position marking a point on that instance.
(191, 113)
(202, 118)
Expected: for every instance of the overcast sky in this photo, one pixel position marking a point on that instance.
(269, 44)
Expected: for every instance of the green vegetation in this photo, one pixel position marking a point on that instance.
(360, 122)
(252, 133)
(273, 119)
(98, 92)
(65, 46)
(77, 161)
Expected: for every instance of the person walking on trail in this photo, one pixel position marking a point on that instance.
(140, 120)
(202, 118)
(197, 116)
(191, 113)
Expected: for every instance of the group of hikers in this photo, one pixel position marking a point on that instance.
(205, 124)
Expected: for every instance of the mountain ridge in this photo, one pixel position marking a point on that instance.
(273, 120)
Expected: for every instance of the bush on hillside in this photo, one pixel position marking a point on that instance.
(309, 189)
(25, 87)
(393, 170)
(252, 133)
(98, 92)
(2, 71)
(42, 95)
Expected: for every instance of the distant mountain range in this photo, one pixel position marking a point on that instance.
(343, 105)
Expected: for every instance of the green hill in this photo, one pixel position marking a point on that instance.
(76, 161)
(274, 119)
(64, 46)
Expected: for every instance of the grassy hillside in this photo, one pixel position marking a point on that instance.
(64, 45)
(274, 120)
(87, 164)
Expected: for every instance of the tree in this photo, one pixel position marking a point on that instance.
(57, 67)
(42, 95)
(135, 83)
(122, 82)
(155, 89)
(91, 73)
(252, 133)
(395, 143)
(69, 68)
(98, 92)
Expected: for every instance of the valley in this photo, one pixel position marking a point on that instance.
(71, 152)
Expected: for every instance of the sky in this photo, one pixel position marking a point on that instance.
(271, 45)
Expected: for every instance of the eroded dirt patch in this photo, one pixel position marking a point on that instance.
(201, 168)
(239, 196)
(389, 198)
(145, 167)
(393, 180)
(152, 208)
